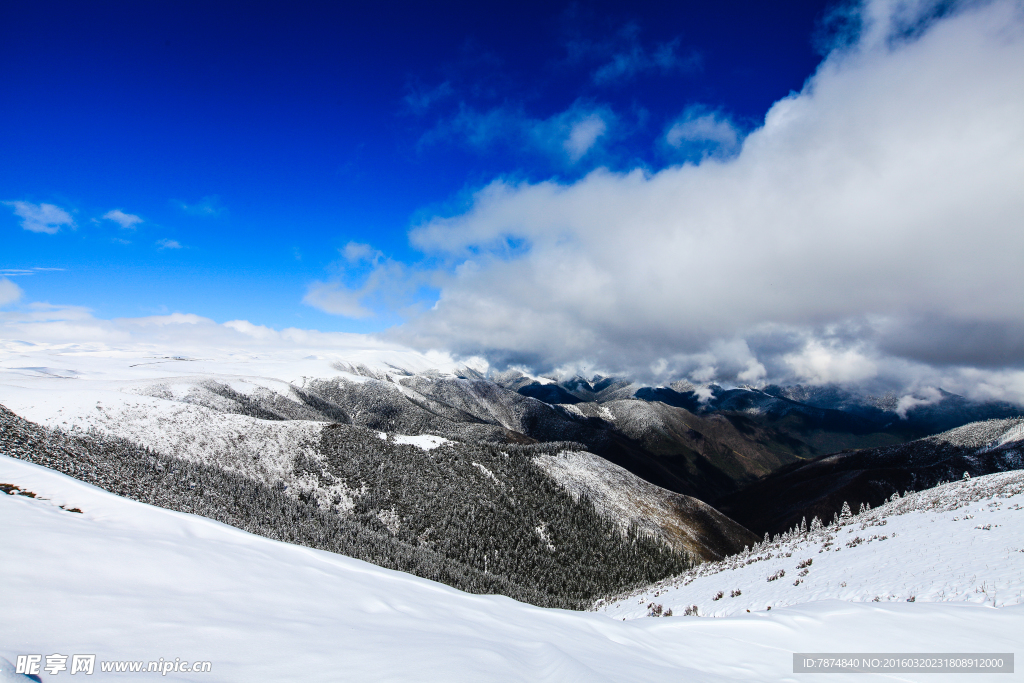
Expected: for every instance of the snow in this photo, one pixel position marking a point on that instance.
(425, 442)
(620, 495)
(164, 402)
(161, 399)
(986, 434)
(959, 542)
(1014, 434)
(486, 472)
(127, 581)
(132, 366)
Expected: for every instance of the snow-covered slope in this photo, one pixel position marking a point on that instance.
(263, 418)
(681, 521)
(205, 409)
(482, 518)
(126, 581)
(959, 542)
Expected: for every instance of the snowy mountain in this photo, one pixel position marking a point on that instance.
(424, 472)
(700, 441)
(709, 441)
(961, 542)
(819, 487)
(830, 406)
(482, 518)
(131, 583)
(440, 472)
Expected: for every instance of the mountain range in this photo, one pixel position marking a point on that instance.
(554, 492)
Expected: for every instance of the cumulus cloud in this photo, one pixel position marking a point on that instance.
(42, 217)
(819, 364)
(168, 244)
(9, 292)
(128, 221)
(869, 228)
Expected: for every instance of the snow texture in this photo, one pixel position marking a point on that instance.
(225, 413)
(680, 521)
(127, 581)
(961, 542)
(427, 442)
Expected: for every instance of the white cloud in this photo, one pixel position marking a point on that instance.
(42, 217)
(207, 206)
(869, 229)
(384, 284)
(583, 134)
(9, 292)
(355, 252)
(909, 402)
(478, 129)
(168, 244)
(707, 131)
(819, 364)
(566, 136)
(128, 221)
(251, 330)
(169, 319)
(573, 133)
(337, 299)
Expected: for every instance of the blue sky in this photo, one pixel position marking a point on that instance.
(262, 139)
(816, 193)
